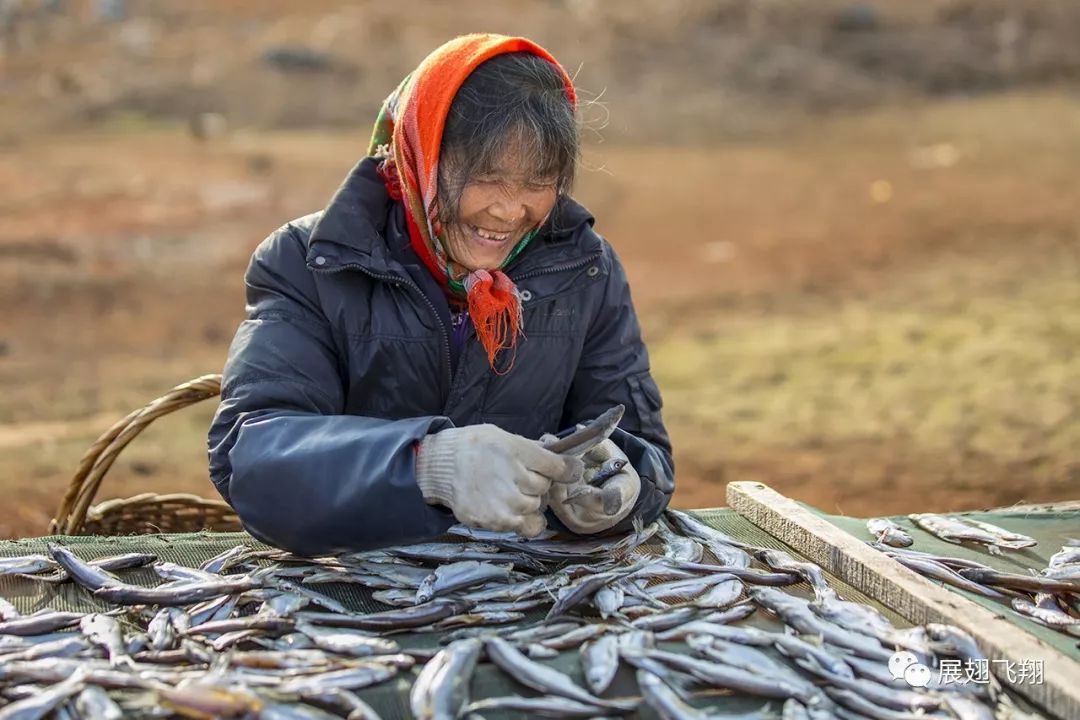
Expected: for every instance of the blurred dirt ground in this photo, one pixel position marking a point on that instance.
(873, 308)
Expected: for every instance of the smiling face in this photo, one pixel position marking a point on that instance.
(508, 151)
(493, 214)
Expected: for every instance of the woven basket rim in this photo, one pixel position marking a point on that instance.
(76, 510)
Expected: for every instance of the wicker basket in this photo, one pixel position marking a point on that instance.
(148, 512)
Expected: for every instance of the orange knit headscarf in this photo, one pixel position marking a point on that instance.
(408, 133)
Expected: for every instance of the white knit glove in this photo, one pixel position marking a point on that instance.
(597, 509)
(490, 478)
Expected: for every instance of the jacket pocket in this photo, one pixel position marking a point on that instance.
(646, 397)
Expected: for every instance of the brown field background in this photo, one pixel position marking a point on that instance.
(852, 229)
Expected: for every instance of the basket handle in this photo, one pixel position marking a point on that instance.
(97, 460)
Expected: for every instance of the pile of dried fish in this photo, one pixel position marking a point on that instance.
(252, 633)
(1050, 598)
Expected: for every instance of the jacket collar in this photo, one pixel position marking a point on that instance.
(353, 228)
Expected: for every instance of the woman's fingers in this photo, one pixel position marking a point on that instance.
(532, 483)
(526, 503)
(555, 467)
(531, 525)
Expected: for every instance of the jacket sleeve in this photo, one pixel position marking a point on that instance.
(614, 368)
(301, 474)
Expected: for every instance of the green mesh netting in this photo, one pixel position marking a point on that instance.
(391, 699)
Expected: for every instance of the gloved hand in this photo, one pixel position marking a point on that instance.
(490, 478)
(588, 512)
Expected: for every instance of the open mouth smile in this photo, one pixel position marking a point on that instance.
(489, 237)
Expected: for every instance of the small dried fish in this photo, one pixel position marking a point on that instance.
(543, 586)
(952, 562)
(737, 679)
(543, 678)
(456, 552)
(346, 642)
(541, 632)
(600, 661)
(456, 576)
(219, 607)
(945, 574)
(347, 704)
(512, 606)
(267, 623)
(25, 564)
(161, 631)
(609, 599)
(967, 708)
(636, 640)
(1016, 581)
(293, 711)
(575, 637)
(665, 701)
(862, 707)
(7, 611)
(356, 677)
(41, 704)
(220, 563)
(890, 697)
(573, 595)
(40, 624)
(1069, 572)
(728, 550)
(204, 699)
(737, 655)
(607, 470)
(66, 646)
(749, 575)
(713, 624)
(82, 572)
(795, 613)
(586, 435)
(689, 588)
(958, 530)
(552, 707)
(721, 595)
(857, 617)
(888, 532)
(811, 657)
(175, 594)
(1051, 618)
(441, 689)
(679, 548)
(112, 562)
(784, 562)
(666, 620)
(415, 616)
(473, 619)
(1006, 537)
(95, 703)
(170, 571)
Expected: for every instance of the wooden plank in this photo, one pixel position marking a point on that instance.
(912, 596)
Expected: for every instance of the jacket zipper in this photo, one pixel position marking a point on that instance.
(398, 280)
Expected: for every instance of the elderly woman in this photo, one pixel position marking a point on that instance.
(407, 349)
